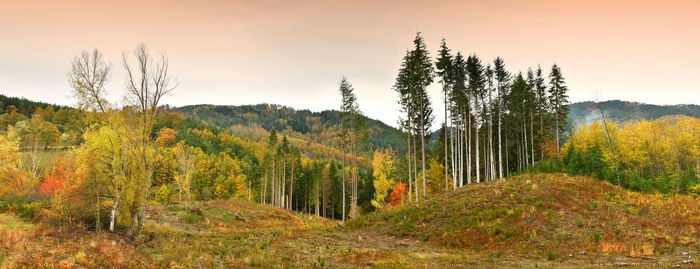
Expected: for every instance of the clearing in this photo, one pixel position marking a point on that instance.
(526, 221)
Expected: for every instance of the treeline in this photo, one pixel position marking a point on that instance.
(587, 112)
(661, 155)
(319, 127)
(496, 122)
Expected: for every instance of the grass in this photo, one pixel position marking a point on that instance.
(10, 222)
(526, 221)
(541, 213)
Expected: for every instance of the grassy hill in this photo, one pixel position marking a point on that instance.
(552, 216)
(548, 220)
(587, 112)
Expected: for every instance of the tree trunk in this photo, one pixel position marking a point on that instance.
(476, 151)
(505, 137)
(500, 150)
(556, 120)
(415, 167)
(445, 140)
(263, 192)
(422, 146)
(283, 184)
(460, 148)
(291, 188)
(113, 214)
(98, 226)
(408, 157)
(452, 151)
(274, 179)
(468, 129)
(130, 232)
(532, 142)
(542, 137)
(343, 146)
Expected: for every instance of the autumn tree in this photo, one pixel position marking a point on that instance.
(382, 166)
(147, 82)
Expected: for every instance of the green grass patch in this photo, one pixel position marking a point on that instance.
(10, 222)
(191, 218)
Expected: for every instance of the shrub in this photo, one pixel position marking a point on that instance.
(163, 194)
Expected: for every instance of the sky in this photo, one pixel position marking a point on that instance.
(294, 53)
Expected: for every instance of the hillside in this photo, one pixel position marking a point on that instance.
(562, 218)
(548, 220)
(23, 105)
(219, 234)
(318, 127)
(587, 112)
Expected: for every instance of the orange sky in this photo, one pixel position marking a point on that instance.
(294, 52)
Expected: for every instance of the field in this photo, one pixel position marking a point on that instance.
(526, 221)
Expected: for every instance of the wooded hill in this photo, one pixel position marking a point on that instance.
(23, 105)
(620, 111)
(616, 110)
(317, 127)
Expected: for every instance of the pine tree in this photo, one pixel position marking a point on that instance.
(476, 86)
(346, 109)
(444, 71)
(542, 105)
(460, 100)
(502, 80)
(415, 75)
(558, 100)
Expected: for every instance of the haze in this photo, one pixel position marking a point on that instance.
(294, 52)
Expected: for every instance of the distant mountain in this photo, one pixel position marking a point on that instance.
(318, 127)
(616, 110)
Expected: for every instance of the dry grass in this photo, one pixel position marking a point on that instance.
(552, 216)
(528, 221)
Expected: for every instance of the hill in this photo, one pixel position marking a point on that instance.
(587, 112)
(554, 216)
(548, 220)
(23, 105)
(218, 234)
(317, 127)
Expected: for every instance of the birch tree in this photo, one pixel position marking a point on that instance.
(147, 82)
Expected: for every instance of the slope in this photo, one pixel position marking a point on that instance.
(553, 216)
(587, 112)
(318, 127)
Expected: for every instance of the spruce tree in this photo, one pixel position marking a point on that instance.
(542, 105)
(502, 84)
(444, 71)
(476, 86)
(558, 100)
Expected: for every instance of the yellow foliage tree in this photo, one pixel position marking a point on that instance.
(13, 181)
(435, 176)
(382, 165)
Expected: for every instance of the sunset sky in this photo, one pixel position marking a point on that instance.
(294, 52)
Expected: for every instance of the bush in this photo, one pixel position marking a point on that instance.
(163, 194)
(548, 166)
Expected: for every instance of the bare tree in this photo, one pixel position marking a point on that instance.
(147, 81)
(88, 75)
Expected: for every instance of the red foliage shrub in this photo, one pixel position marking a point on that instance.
(395, 197)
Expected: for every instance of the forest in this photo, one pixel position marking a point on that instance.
(104, 168)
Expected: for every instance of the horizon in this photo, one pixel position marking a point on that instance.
(294, 54)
